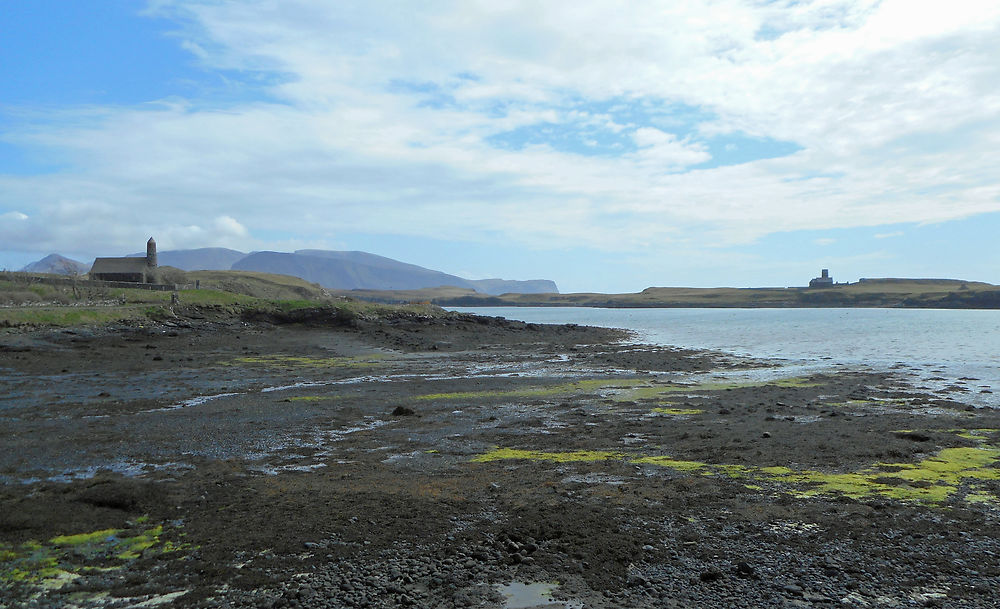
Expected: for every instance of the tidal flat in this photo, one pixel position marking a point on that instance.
(454, 461)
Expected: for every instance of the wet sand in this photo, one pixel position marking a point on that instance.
(447, 462)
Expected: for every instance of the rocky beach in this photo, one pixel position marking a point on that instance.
(461, 461)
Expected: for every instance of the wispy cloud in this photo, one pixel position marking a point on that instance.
(546, 124)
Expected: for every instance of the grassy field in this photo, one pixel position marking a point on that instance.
(914, 293)
(27, 302)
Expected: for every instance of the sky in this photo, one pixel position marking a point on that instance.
(608, 146)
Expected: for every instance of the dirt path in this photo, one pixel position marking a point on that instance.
(446, 463)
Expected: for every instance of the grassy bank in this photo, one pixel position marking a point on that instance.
(27, 303)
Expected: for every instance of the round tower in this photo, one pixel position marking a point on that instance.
(151, 253)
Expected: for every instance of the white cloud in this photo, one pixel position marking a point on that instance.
(230, 227)
(661, 151)
(880, 96)
(889, 235)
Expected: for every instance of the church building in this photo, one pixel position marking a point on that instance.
(131, 269)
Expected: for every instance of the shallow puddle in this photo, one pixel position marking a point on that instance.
(518, 595)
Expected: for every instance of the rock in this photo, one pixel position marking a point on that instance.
(912, 435)
(766, 434)
(636, 579)
(744, 569)
(930, 599)
(711, 575)
(793, 589)
(403, 411)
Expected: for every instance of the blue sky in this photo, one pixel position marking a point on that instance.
(728, 142)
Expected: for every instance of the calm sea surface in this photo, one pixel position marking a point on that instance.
(937, 347)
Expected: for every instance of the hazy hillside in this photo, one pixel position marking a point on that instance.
(332, 272)
(202, 259)
(57, 265)
(351, 270)
(379, 273)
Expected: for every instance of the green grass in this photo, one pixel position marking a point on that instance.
(68, 316)
(26, 303)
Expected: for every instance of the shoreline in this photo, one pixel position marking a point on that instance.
(869, 293)
(426, 461)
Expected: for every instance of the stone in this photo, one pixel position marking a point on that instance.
(793, 589)
(744, 569)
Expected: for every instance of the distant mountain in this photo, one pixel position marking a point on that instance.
(58, 265)
(347, 270)
(202, 259)
(342, 270)
(360, 270)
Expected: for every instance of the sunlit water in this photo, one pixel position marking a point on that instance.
(939, 347)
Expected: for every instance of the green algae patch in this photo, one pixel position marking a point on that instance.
(312, 398)
(981, 497)
(300, 361)
(575, 387)
(647, 391)
(133, 547)
(678, 411)
(619, 390)
(504, 454)
(978, 435)
(675, 464)
(84, 538)
(52, 564)
(951, 473)
(935, 479)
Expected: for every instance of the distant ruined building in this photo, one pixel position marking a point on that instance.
(823, 281)
(129, 269)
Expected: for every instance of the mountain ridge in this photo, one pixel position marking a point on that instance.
(57, 264)
(333, 269)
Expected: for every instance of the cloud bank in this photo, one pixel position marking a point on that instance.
(619, 127)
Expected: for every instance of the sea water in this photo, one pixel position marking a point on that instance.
(935, 347)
